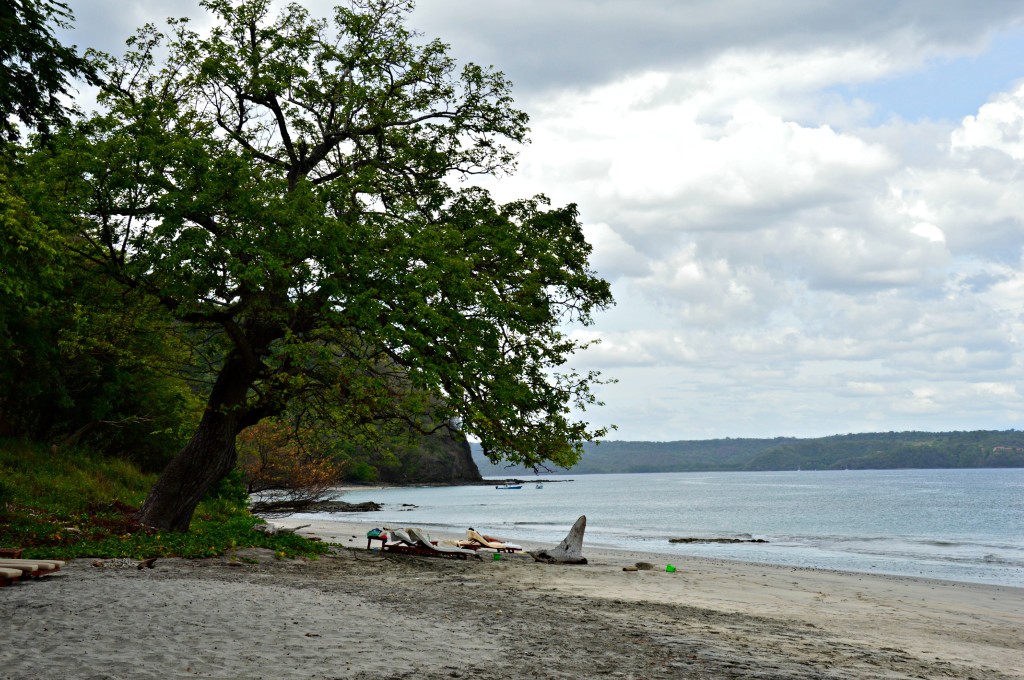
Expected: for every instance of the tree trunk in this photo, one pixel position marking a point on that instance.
(570, 550)
(206, 458)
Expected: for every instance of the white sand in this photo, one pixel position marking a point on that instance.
(367, 615)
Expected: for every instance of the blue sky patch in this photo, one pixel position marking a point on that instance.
(945, 88)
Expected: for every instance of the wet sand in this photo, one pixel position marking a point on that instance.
(364, 614)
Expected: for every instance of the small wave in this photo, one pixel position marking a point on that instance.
(540, 524)
(833, 538)
(996, 559)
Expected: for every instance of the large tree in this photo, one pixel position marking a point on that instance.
(295, 188)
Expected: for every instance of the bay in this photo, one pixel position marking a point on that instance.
(959, 525)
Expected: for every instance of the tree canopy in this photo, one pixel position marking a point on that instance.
(36, 67)
(293, 192)
(78, 356)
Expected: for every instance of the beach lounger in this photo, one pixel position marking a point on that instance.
(32, 567)
(487, 542)
(423, 540)
(405, 544)
(9, 575)
(415, 542)
(403, 538)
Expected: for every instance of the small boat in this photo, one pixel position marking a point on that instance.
(509, 486)
(539, 486)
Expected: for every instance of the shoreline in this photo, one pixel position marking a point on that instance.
(366, 614)
(347, 531)
(351, 533)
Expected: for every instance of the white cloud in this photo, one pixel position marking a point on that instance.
(612, 255)
(929, 232)
(999, 125)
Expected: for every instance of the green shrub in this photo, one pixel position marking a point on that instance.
(232, 489)
(362, 472)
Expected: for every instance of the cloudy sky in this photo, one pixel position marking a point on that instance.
(810, 212)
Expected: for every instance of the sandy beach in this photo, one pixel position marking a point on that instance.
(363, 614)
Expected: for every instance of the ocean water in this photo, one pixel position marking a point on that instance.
(960, 525)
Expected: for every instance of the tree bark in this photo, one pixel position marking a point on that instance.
(207, 457)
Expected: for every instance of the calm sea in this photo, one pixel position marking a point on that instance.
(961, 525)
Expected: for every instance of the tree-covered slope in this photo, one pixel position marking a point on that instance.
(879, 451)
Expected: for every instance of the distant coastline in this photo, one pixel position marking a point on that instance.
(869, 451)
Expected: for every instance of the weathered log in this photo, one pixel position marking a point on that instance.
(570, 550)
(342, 506)
(717, 540)
(275, 529)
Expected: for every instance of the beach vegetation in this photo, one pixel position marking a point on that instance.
(287, 203)
(83, 359)
(285, 467)
(79, 503)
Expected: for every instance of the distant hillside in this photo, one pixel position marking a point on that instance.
(873, 451)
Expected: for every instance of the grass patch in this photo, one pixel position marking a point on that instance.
(77, 504)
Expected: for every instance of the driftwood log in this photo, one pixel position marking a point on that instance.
(275, 529)
(717, 540)
(570, 550)
(342, 506)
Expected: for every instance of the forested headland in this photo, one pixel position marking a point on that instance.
(872, 451)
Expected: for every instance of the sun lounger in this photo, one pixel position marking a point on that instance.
(403, 538)
(486, 542)
(415, 542)
(33, 567)
(405, 544)
(9, 575)
(424, 541)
